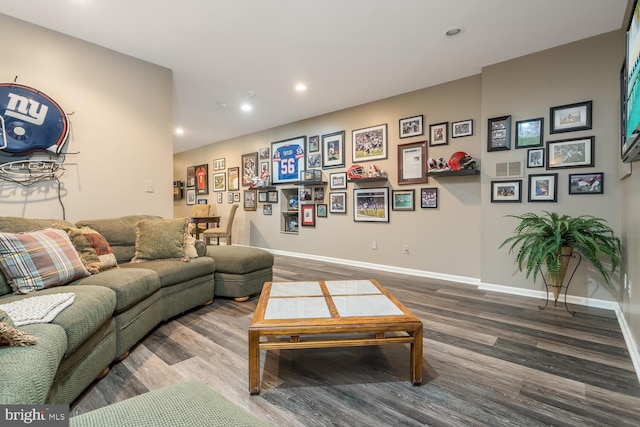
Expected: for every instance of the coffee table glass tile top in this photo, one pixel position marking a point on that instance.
(338, 313)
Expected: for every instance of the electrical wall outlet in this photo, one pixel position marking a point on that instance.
(148, 186)
(374, 245)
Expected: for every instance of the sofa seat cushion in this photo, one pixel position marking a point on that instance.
(172, 272)
(131, 285)
(239, 259)
(184, 404)
(27, 372)
(92, 307)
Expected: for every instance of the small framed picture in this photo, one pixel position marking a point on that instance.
(462, 128)
(273, 196)
(529, 133)
(203, 201)
(218, 164)
(219, 197)
(570, 153)
(234, 179)
(411, 126)
(305, 194)
(314, 144)
(412, 163)
(428, 198)
(230, 198)
(202, 179)
(264, 153)
(571, 117)
(371, 204)
(318, 194)
(499, 137)
(438, 134)
(191, 196)
(332, 154)
(403, 200)
(313, 160)
(543, 187)
(321, 210)
(250, 200)
(369, 143)
(535, 158)
(220, 181)
(586, 183)
(337, 180)
(338, 202)
(308, 213)
(267, 209)
(236, 197)
(506, 191)
(263, 196)
(191, 176)
(249, 163)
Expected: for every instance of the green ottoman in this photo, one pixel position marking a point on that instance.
(185, 404)
(240, 270)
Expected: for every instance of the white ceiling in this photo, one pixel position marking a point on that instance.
(348, 52)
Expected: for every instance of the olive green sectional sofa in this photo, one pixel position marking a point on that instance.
(112, 311)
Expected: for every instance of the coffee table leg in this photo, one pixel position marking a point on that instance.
(254, 362)
(416, 356)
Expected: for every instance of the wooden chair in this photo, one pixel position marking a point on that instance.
(224, 232)
(199, 210)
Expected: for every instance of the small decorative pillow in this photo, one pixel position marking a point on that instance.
(12, 336)
(161, 239)
(92, 247)
(192, 252)
(38, 260)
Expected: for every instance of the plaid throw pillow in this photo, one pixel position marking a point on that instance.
(38, 260)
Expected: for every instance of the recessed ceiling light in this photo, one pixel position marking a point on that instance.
(301, 87)
(179, 131)
(454, 31)
(246, 107)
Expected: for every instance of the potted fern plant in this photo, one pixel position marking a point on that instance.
(549, 239)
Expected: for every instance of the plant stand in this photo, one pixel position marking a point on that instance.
(566, 287)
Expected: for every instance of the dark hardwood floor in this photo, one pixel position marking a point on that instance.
(489, 359)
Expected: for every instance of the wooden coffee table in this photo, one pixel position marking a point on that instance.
(337, 313)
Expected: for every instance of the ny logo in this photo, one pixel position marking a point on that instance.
(26, 109)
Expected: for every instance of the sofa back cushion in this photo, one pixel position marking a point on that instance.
(120, 233)
(11, 224)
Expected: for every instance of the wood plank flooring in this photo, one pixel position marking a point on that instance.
(489, 359)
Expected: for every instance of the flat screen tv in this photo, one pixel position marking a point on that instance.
(631, 91)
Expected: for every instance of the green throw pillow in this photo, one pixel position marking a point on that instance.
(161, 239)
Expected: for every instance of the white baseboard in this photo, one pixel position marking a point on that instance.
(587, 302)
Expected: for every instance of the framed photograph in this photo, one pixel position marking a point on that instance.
(234, 179)
(462, 128)
(403, 200)
(412, 163)
(220, 181)
(411, 126)
(202, 201)
(499, 137)
(202, 179)
(191, 176)
(272, 196)
(218, 165)
(263, 196)
(305, 194)
(371, 204)
(264, 153)
(313, 161)
(570, 153)
(308, 213)
(337, 180)
(529, 133)
(191, 196)
(318, 194)
(438, 134)
(288, 159)
(230, 198)
(506, 191)
(535, 158)
(338, 202)
(571, 117)
(321, 210)
(267, 209)
(219, 196)
(370, 143)
(250, 200)
(314, 144)
(543, 187)
(586, 183)
(265, 173)
(333, 150)
(236, 197)
(428, 198)
(249, 164)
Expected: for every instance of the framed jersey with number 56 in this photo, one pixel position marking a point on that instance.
(288, 159)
